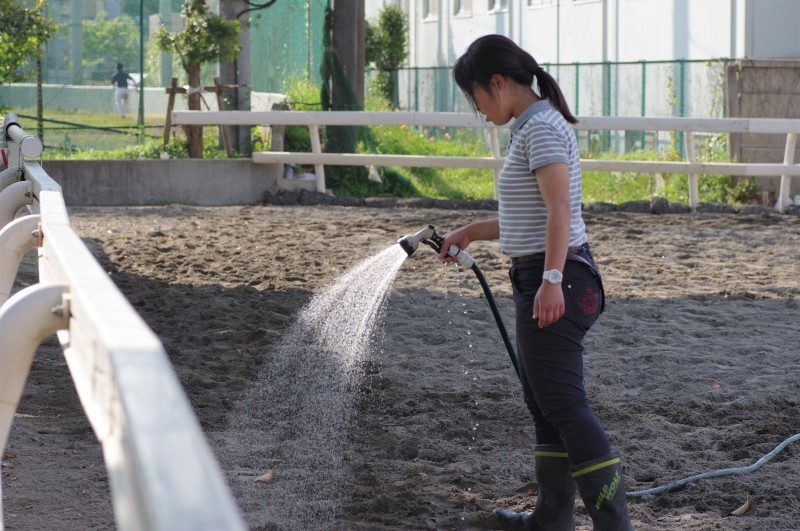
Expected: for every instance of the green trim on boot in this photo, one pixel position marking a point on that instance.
(555, 501)
(600, 485)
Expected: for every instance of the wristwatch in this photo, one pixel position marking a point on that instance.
(553, 276)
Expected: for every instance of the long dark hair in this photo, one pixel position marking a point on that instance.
(496, 54)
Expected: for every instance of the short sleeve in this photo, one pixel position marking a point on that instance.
(544, 145)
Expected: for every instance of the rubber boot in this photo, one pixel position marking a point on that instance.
(555, 501)
(600, 486)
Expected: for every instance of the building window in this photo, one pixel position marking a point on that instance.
(498, 5)
(462, 7)
(430, 9)
(536, 3)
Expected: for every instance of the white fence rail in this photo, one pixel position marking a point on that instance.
(161, 469)
(689, 126)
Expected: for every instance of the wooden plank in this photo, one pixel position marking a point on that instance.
(613, 123)
(358, 159)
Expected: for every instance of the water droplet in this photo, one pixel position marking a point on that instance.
(470, 345)
(466, 372)
(475, 379)
(465, 312)
(469, 333)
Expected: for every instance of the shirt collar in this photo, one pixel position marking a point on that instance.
(533, 108)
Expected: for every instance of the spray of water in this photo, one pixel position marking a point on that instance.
(295, 419)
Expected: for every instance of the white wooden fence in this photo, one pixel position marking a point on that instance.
(162, 472)
(688, 126)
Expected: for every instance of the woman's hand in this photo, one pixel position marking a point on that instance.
(548, 304)
(459, 237)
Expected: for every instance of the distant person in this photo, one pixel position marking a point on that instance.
(120, 83)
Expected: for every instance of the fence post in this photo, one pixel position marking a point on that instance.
(694, 194)
(494, 144)
(788, 158)
(319, 169)
(644, 100)
(171, 90)
(577, 89)
(681, 101)
(416, 89)
(607, 103)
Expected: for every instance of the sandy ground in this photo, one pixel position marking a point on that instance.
(695, 366)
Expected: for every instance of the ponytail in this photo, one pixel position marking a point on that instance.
(496, 54)
(549, 89)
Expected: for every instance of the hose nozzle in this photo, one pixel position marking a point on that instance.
(428, 236)
(410, 242)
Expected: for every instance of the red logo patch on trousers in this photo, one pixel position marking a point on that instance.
(589, 302)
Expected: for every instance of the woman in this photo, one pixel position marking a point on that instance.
(558, 292)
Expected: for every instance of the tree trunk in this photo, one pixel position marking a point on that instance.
(349, 34)
(194, 133)
(237, 72)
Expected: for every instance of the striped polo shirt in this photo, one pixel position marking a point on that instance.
(540, 136)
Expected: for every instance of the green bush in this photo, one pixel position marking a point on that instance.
(745, 191)
(297, 138)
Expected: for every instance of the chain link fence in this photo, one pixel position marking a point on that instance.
(692, 89)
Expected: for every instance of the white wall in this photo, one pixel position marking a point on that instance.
(772, 28)
(568, 31)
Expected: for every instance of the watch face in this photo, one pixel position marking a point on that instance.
(552, 276)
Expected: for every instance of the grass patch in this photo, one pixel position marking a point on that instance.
(438, 183)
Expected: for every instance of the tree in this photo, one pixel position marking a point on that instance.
(205, 38)
(23, 32)
(106, 42)
(387, 48)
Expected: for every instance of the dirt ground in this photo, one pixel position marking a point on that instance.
(694, 367)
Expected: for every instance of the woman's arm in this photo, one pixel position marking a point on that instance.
(553, 179)
(485, 229)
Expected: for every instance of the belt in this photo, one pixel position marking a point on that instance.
(540, 256)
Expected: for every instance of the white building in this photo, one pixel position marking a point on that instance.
(570, 31)
(702, 58)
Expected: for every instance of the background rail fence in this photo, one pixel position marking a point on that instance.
(685, 126)
(161, 469)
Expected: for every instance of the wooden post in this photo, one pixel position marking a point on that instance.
(316, 147)
(278, 136)
(494, 145)
(785, 188)
(694, 195)
(171, 90)
(226, 134)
